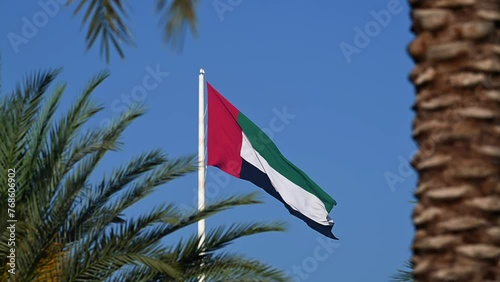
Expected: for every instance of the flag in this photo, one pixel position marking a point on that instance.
(240, 148)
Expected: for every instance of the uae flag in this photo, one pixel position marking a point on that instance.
(238, 147)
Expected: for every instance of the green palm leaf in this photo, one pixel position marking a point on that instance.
(72, 228)
(405, 275)
(106, 22)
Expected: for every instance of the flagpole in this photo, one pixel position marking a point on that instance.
(201, 157)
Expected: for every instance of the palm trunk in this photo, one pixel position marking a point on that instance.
(457, 129)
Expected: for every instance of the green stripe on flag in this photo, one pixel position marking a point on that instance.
(268, 150)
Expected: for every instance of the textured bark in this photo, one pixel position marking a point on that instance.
(457, 128)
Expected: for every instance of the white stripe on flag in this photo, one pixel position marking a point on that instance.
(299, 199)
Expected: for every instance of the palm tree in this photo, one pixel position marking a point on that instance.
(72, 229)
(456, 51)
(107, 20)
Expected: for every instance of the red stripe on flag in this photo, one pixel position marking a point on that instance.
(224, 136)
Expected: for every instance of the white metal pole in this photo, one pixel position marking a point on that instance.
(201, 155)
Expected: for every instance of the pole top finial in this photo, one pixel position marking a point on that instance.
(202, 71)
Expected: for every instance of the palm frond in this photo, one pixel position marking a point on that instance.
(197, 215)
(115, 248)
(106, 20)
(106, 23)
(177, 17)
(61, 136)
(404, 275)
(160, 175)
(233, 267)
(19, 111)
(91, 213)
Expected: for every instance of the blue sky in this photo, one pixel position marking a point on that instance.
(340, 69)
